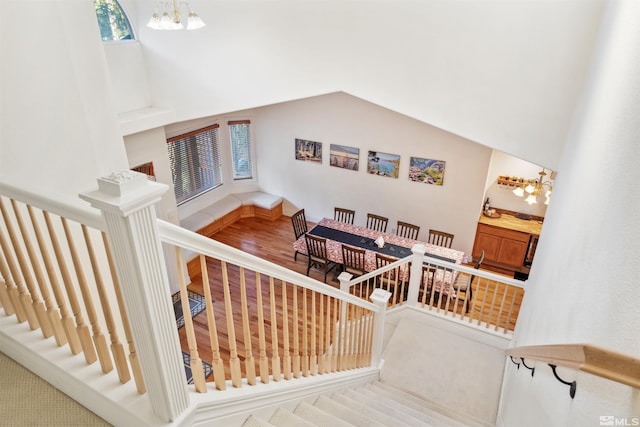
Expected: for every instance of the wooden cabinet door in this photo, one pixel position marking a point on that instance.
(489, 243)
(512, 252)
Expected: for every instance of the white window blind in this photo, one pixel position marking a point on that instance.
(240, 136)
(195, 162)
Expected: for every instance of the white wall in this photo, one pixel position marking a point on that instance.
(583, 286)
(58, 128)
(345, 120)
(504, 74)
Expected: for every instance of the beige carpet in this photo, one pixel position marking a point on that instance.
(27, 400)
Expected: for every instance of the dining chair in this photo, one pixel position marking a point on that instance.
(317, 250)
(353, 260)
(389, 280)
(408, 231)
(440, 238)
(299, 222)
(377, 222)
(343, 215)
(463, 283)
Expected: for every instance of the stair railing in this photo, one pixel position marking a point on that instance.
(457, 292)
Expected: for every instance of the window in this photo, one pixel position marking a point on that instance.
(240, 133)
(195, 163)
(113, 22)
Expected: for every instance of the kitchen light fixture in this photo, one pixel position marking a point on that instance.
(530, 187)
(167, 17)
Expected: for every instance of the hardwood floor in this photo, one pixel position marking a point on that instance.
(273, 241)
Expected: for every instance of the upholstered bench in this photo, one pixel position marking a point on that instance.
(229, 209)
(259, 204)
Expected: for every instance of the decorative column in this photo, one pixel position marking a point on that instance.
(380, 298)
(416, 274)
(127, 200)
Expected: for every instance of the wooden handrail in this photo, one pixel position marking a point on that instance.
(589, 358)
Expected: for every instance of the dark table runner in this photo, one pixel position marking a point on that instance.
(367, 243)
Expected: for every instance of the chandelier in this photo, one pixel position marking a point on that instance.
(532, 188)
(167, 17)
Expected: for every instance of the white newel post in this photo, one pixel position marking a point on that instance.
(127, 200)
(416, 273)
(380, 298)
(344, 278)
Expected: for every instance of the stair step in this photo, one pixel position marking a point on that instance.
(441, 416)
(285, 418)
(254, 421)
(319, 417)
(392, 408)
(346, 413)
(379, 415)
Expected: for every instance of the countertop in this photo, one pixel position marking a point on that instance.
(510, 222)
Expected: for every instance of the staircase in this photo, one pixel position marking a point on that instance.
(375, 404)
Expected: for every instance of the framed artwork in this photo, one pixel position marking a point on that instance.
(344, 157)
(310, 151)
(383, 164)
(426, 171)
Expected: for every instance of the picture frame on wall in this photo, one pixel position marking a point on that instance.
(344, 157)
(310, 151)
(426, 171)
(383, 164)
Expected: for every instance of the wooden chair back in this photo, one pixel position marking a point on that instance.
(377, 222)
(317, 251)
(344, 215)
(353, 260)
(440, 238)
(408, 231)
(299, 222)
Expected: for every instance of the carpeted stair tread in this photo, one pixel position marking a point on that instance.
(391, 408)
(379, 415)
(441, 416)
(254, 421)
(319, 417)
(285, 418)
(346, 413)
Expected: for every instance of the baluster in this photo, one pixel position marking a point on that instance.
(275, 357)
(197, 370)
(483, 304)
(313, 358)
(286, 359)
(493, 302)
(327, 332)
(250, 363)
(305, 334)
(133, 355)
(216, 362)
(19, 273)
(336, 336)
(99, 340)
(11, 300)
(352, 337)
(500, 310)
(296, 333)
(513, 301)
(321, 336)
(38, 304)
(52, 310)
(117, 348)
(264, 361)
(234, 361)
(340, 336)
(71, 328)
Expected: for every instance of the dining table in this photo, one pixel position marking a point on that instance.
(338, 233)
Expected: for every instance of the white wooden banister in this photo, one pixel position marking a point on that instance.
(127, 201)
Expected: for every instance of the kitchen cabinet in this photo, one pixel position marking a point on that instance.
(508, 243)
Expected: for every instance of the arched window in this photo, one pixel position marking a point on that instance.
(113, 22)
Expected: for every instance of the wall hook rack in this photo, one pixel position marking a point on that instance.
(514, 362)
(531, 368)
(572, 385)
